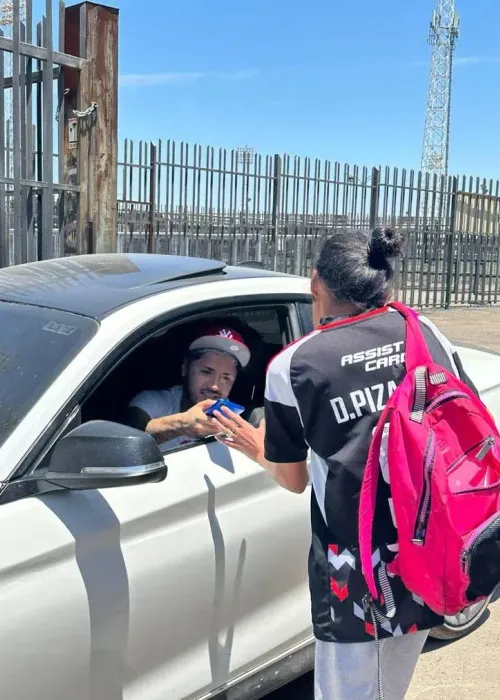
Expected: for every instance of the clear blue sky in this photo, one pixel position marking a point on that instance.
(338, 79)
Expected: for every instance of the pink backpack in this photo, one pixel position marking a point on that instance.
(443, 461)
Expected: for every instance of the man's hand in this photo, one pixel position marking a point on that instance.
(196, 424)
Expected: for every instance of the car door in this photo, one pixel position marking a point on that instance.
(218, 576)
(165, 590)
(216, 567)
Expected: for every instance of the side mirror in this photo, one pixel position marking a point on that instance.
(101, 454)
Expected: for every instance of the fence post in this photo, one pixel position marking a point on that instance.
(275, 220)
(91, 143)
(152, 197)
(450, 240)
(375, 193)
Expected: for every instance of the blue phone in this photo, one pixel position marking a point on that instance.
(234, 407)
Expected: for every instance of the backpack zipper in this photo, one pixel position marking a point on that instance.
(488, 444)
(472, 539)
(445, 396)
(424, 508)
(485, 446)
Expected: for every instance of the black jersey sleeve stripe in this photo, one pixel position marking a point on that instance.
(278, 381)
(284, 440)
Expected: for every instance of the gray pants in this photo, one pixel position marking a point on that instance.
(350, 671)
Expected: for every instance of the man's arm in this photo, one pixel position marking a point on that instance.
(192, 423)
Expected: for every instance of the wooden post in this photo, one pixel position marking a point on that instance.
(91, 129)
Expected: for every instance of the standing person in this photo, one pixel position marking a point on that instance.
(324, 396)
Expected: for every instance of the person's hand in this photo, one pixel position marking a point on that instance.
(239, 434)
(196, 424)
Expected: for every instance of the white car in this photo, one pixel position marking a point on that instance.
(189, 584)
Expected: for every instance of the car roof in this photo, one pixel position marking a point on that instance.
(96, 285)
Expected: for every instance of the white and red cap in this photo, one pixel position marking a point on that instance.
(222, 339)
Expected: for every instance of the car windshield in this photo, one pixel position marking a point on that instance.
(36, 344)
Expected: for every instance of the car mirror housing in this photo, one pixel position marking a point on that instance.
(101, 454)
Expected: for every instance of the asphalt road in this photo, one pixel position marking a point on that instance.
(467, 669)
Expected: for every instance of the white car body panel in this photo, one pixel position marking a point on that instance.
(164, 591)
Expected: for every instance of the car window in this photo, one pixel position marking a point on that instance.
(36, 344)
(156, 363)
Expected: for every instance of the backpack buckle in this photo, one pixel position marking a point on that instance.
(367, 602)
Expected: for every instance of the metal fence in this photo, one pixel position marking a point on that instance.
(236, 205)
(184, 199)
(31, 97)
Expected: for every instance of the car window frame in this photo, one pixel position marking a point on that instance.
(291, 324)
(30, 466)
(304, 313)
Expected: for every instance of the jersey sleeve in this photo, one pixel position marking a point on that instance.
(284, 436)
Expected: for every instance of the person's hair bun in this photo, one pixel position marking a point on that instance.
(385, 244)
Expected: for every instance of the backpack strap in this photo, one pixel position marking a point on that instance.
(416, 350)
(368, 502)
(417, 357)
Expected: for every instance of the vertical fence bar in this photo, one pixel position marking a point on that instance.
(4, 229)
(276, 210)
(28, 128)
(375, 193)
(39, 147)
(450, 244)
(48, 140)
(152, 197)
(60, 135)
(23, 155)
(16, 134)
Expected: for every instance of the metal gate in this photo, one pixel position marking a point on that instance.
(32, 190)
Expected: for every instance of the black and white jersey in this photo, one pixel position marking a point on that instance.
(324, 396)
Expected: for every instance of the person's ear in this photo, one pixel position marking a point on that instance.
(315, 283)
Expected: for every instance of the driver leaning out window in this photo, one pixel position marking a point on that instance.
(176, 416)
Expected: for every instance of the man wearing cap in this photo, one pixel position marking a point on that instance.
(176, 416)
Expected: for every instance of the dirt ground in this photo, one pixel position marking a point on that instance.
(472, 326)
